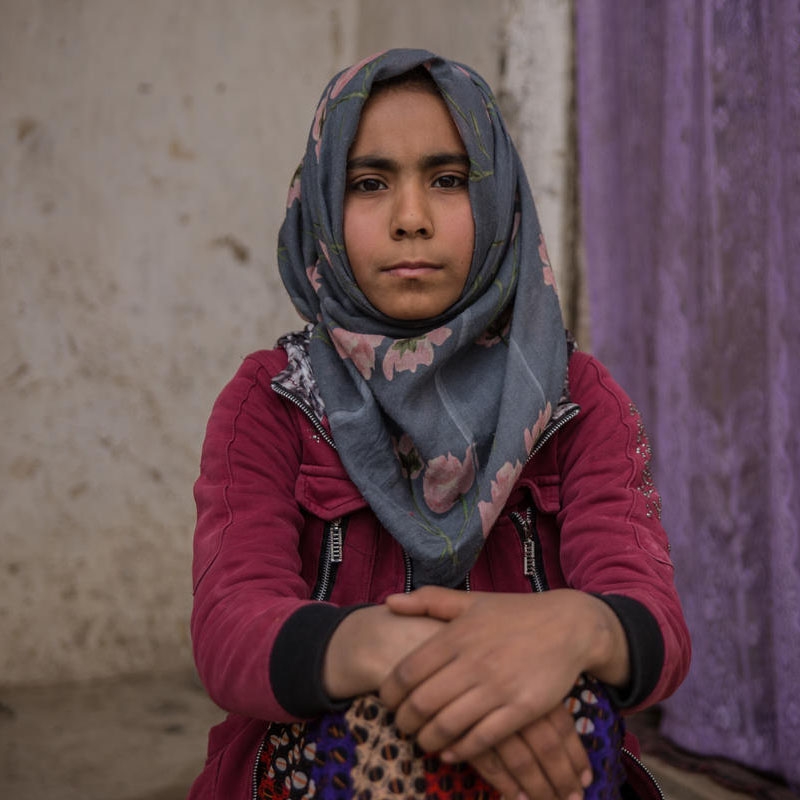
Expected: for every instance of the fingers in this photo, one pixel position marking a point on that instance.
(492, 769)
(559, 752)
(545, 761)
(431, 601)
(448, 705)
(446, 725)
(414, 672)
(471, 727)
(458, 711)
(521, 766)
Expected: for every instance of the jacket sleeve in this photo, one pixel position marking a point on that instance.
(246, 568)
(612, 541)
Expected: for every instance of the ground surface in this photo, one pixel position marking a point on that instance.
(144, 739)
(135, 739)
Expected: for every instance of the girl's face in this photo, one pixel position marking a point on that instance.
(408, 225)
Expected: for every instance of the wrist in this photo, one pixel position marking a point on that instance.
(608, 658)
(347, 668)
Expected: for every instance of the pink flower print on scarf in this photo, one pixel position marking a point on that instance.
(350, 73)
(408, 456)
(324, 248)
(358, 347)
(408, 354)
(312, 271)
(515, 228)
(294, 189)
(497, 331)
(532, 434)
(313, 276)
(446, 479)
(501, 489)
(319, 121)
(549, 277)
(334, 91)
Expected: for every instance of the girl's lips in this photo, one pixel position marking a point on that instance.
(411, 269)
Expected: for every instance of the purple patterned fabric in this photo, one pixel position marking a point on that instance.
(359, 753)
(689, 125)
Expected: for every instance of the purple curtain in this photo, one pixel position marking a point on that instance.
(689, 143)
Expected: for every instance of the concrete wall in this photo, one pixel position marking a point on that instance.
(145, 152)
(538, 93)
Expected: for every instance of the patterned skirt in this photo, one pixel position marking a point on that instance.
(359, 754)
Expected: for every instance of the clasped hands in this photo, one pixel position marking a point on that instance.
(481, 677)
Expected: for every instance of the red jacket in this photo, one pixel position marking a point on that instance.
(273, 500)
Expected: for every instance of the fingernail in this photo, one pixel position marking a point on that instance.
(522, 796)
(575, 796)
(586, 779)
(448, 757)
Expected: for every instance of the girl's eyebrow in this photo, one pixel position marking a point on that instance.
(426, 162)
(443, 159)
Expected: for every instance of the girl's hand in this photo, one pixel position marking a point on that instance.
(367, 645)
(502, 662)
(545, 760)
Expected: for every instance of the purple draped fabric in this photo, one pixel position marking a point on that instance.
(689, 142)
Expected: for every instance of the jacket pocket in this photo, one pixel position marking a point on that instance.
(327, 491)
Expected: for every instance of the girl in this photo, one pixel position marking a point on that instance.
(384, 497)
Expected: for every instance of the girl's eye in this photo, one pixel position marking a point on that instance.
(367, 185)
(450, 182)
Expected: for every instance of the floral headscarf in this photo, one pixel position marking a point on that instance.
(432, 419)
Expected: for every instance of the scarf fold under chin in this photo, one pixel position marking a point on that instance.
(433, 421)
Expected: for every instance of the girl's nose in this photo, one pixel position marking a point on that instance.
(411, 214)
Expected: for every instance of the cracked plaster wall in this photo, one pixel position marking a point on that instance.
(145, 152)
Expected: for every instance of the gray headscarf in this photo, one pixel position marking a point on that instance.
(432, 419)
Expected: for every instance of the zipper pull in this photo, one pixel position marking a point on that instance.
(528, 558)
(336, 541)
(528, 544)
(531, 554)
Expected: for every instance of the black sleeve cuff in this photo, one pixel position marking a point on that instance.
(645, 646)
(295, 668)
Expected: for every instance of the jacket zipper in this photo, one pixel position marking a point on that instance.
(255, 765)
(408, 581)
(278, 389)
(531, 549)
(334, 555)
(552, 429)
(408, 584)
(526, 525)
(646, 771)
(330, 558)
(333, 538)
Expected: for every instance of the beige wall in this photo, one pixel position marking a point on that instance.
(145, 151)
(538, 86)
(470, 31)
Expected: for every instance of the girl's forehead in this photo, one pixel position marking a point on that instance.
(398, 112)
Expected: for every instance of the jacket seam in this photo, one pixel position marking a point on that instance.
(229, 469)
